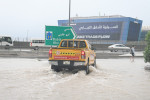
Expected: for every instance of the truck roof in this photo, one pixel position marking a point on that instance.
(4, 36)
(75, 39)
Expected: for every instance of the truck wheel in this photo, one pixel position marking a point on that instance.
(115, 50)
(52, 66)
(87, 68)
(94, 65)
(55, 68)
(36, 48)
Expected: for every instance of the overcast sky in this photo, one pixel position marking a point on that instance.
(22, 18)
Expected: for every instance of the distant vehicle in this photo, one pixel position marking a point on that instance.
(36, 43)
(72, 54)
(6, 41)
(117, 47)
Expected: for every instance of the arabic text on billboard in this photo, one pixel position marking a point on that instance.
(98, 30)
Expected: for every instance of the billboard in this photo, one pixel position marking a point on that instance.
(54, 34)
(98, 30)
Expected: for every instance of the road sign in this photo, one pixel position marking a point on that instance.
(54, 34)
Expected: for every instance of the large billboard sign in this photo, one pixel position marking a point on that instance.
(98, 30)
(54, 34)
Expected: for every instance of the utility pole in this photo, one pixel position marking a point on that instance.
(27, 35)
(69, 10)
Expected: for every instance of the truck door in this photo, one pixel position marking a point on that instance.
(91, 58)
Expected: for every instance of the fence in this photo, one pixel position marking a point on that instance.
(99, 45)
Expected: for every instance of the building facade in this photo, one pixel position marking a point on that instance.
(114, 29)
(145, 30)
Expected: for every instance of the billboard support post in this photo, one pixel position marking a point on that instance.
(69, 10)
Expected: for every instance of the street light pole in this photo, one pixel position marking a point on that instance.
(27, 36)
(69, 10)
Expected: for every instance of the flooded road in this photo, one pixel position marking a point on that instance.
(114, 79)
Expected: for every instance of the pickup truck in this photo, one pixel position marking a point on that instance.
(72, 54)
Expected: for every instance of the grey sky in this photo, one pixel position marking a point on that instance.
(19, 17)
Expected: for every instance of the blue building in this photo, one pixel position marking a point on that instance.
(106, 28)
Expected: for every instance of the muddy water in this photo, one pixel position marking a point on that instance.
(114, 79)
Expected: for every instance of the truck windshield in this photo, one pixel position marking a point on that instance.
(75, 44)
(82, 44)
(7, 39)
(70, 43)
(64, 44)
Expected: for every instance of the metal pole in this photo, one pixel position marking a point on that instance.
(27, 36)
(69, 10)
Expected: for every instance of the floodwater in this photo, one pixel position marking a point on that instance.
(114, 79)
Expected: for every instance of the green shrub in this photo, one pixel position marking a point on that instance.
(147, 49)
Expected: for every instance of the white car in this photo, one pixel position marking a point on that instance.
(116, 47)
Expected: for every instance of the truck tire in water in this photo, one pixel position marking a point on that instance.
(94, 65)
(87, 68)
(56, 68)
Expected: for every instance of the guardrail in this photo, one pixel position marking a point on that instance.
(99, 45)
